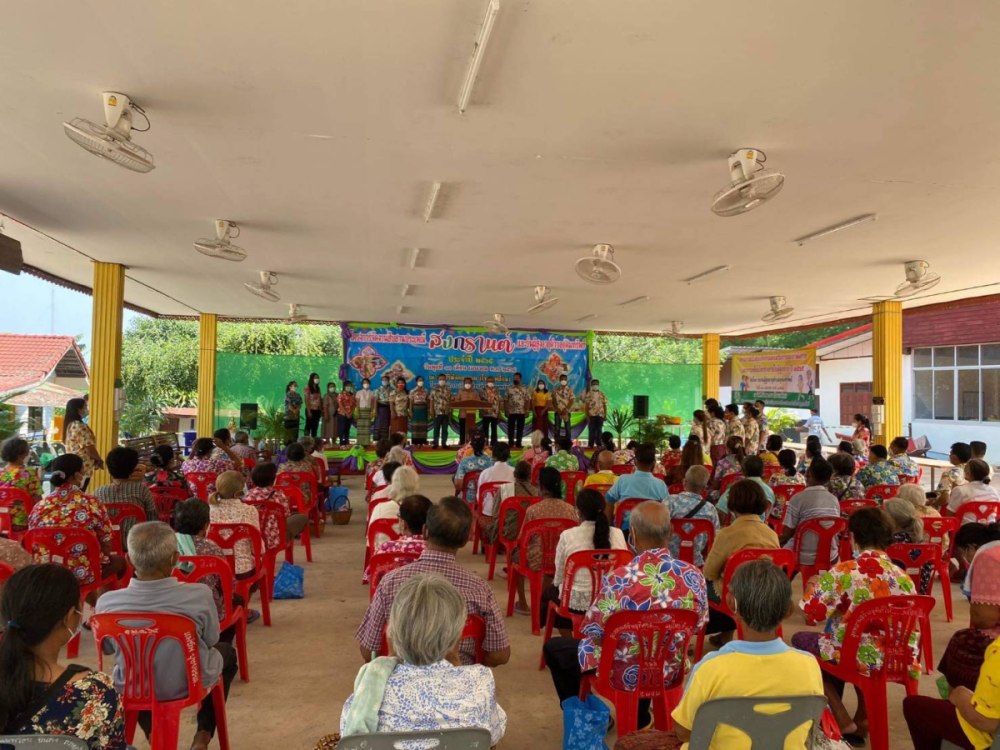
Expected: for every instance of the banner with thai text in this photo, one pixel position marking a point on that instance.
(777, 377)
(375, 351)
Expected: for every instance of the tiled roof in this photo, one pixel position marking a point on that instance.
(26, 361)
(841, 336)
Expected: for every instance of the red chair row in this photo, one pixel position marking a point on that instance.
(483, 491)
(519, 506)
(546, 531)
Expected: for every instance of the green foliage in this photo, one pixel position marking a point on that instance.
(779, 420)
(649, 350)
(280, 338)
(9, 424)
(142, 417)
(270, 424)
(620, 420)
(792, 340)
(650, 431)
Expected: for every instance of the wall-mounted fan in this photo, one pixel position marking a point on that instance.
(599, 267)
(542, 300)
(221, 247)
(751, 185)
(295, 314)
(113, 140)
(674, 332)
(263, 288)
(778, 311)
(918, 278)
(497, 325)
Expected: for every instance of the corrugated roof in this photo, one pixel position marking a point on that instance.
(26, 360)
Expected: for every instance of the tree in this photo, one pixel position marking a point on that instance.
(649, 350)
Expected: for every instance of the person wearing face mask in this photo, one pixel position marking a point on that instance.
(541, 402)
(441, 398)
(595, 406)
(346, 404)
(293, 408)
(329, 433)
(399, 407)
(419, 407)
(80, 438)
(563, 399)
(491, 416)
(383, 412)
(517, 401)
(314, 406)
(38, 695)
(466, 394)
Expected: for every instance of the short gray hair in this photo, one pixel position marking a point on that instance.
(307, 444)
(396, 454)
(651, 521)
(696, 479)
(151, 546)
(241, 437)
(405, 482)
(426, 620)
(763, 594)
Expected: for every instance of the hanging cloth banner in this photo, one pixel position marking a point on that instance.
(778, 378)
(375, 351)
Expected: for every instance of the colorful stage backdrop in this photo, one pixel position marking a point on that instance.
(779, 378)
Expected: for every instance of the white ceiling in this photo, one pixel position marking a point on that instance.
(591, 121)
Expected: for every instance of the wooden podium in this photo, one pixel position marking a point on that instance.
(471, 405)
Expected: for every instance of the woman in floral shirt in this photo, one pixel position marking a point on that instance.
(862, 431)
(843, 485)
(788, 474)
(399, 408)
(202, 460)
(80, 438)
(39, 695)
(478, 461)
(163, 473)
(834, 594)
(225, 506)
(732, 463)
(413, 516)
(14, 453)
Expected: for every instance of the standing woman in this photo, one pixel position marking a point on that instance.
(862, 431)
(399, 408)
(80, 438)
(329, 433)
(383, 412)
(419, 404)
(751, 429)
(541, 402)
(14, 451)
(702, 427)
(365, 401)
(314, 406)
(293, 408)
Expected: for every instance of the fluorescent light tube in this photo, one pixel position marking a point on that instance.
(837, 227)
(405, 290)
(400, 310)
(635, 301)
(477, 55)
(708, 274)
(414, 256)
(586, 318)
(432, 201)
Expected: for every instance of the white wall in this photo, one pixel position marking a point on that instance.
(833, 372)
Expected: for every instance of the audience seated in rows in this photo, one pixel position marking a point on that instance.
(405, 482)
(753, 469)
(121, 462)
(263, 477)
(691, 504)
(202, 460)
(815, 501)
(226, 506)
(14, 452)
(488, 522)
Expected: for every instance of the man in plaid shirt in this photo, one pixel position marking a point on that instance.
(446, 532)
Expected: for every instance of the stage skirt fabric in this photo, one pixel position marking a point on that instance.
(541, 420)
(382, 421)
(364, 426)
(418, 423)
(398, 424)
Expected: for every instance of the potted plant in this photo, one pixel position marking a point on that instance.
(620, 420)
(270, 428)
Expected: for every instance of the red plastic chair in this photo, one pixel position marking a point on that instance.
(660, 634)
(470, 479)
(60, 544)
(386, 562)
(483, 491)
(777, 522)
(783, 558)
(728, 482)
(240, 532)
(624, 506)
(6, 571)
(380, 527)
(518, 505)
(201, 483)
(912, 557)
(536, 469)
(166, 498)
(574, 482)
(600, 487)
(313, 502)
(137, 636)
(375, 503)
(986, 511)
(896, 617)
(941, 531)
(375, 490)
(118, 513)
(675, 489)
(847, 507)
(687, 531)
(622, 469)
(547, 530)
(298, 503)
(598, 563)
(9, 496)
(475, 627)
(783, 494)
(272, 517)
(882, 492)
(787, 491)
(203, 566)
(828, 532)
(771, 469)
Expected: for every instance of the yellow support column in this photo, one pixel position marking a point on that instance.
(887, 366)
(105, 358)
(710, 365)
(206, 374)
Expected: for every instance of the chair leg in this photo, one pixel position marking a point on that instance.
(241, 647)
(878, 716)
(550, 619)
(661, 714)
(265, 601)
(304, 536)
(944, 574)
(535, 584)
(131, 721)
(166, 728)
(512, 577)
(221, 721)
(73, 647)
(925, 636)
(290, 553)
(475, 533)
(491, 555)
(699, 648)
(626, 712)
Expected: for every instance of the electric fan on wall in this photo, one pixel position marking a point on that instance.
(751, 186)
(918, 278)
(113, 140)
(542, 300)
(779, 310)
(599, 267)
(263, 288)
(221, 247)
(497, 325)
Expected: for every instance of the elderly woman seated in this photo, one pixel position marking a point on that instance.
(423, 687)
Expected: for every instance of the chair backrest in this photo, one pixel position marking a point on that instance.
(895, 617)
(475, 628)
(123, 517)
(984, 511)
(687, 531)
(228, 535)
(166, 498)
(622, 469)
(137, 636)
(882, 492)
(485, 490)
(382, 527)
(597, 563)
(377, 488)
(936, 528)
(60, 543)
(766, 721)
(787, 491)
(386, 562)
(547, 531)
(675, 489)
(536, 469)
(203, 566)
(518, 504)
(6, 571)
(200, 482)
(574, 482)
(783, 558)
(911, 556)
(660, 634)
(827, 531)
(298, 479)
(8, 497)
(296, 498)
(445, 739)
(771, 469)
(626, 505)
(729, 481)
(273, 522)
(600, 487)
(42, 742)
(375, 503)
(847, 507)
(472, 478)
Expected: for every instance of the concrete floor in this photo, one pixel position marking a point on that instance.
(303, 667)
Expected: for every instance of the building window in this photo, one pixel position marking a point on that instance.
(957, 383)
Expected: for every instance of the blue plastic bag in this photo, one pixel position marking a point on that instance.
(585, 723)
(336, 499)
(290, 582)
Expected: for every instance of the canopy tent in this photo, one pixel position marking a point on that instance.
(47, 394)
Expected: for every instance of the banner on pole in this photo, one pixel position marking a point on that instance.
(374, 351)
(777, 377)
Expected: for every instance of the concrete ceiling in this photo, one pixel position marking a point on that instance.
(319, 127)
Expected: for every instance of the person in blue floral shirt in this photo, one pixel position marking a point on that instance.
(653, 580)
(879, 469)
(691, 504)
(843, 484)
(478, 461)
(905, 466)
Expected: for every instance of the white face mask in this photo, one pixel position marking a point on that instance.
(489, 385)
(331, 389)
(562, 382)
(365, 386)
(468, 386)
(385, 382)
(595, 387)
(79, 626)
(442, 383)
(420, 384)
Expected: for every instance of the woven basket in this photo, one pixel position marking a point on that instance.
(341, 517)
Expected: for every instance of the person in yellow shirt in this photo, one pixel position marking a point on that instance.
(541, 403)
(603, 476)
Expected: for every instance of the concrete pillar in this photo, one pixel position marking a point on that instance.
(105, 359)
(206, 374)
(710, 365)
(887, 366)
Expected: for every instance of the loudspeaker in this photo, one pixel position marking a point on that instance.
(11, 259)
(640, 407)
(248, 416)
